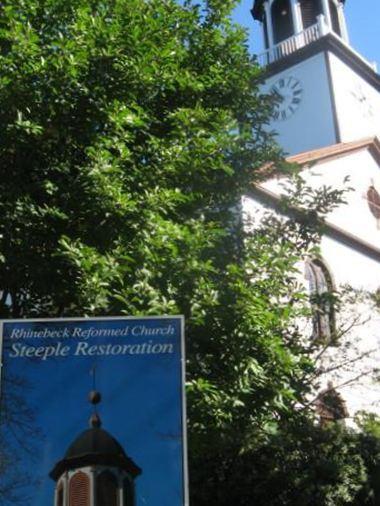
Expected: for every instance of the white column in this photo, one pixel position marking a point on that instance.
(326, 12)
(268, 17)
(342, 23)
(66, 490)
(299, 14)
(91, 472)
(120, 490)
(297, 22)
(324, 29)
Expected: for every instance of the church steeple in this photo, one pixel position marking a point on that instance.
(291, 24)
(95, 470)
(324, 92)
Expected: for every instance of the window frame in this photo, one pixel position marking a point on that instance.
(321, 289)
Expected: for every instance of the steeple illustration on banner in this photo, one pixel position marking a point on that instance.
(95, 470)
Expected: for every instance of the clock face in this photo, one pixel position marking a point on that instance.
(363, 101)
(288, 93)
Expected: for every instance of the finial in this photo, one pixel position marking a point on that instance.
(94, 397)
(95, 422)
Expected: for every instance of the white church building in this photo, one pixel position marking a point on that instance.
(327, 117)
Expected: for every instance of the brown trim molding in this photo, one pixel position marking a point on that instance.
(320, 155)
(372, 144)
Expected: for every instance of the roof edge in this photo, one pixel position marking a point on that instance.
(119, 462)
(315, 156)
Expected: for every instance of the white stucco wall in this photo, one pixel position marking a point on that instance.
(356, 377)
(357, 170)
(311, 126)
(357, 102)
(348, 266)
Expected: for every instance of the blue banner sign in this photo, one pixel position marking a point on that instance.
(93, 412)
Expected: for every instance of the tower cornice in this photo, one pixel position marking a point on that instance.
(328, 43)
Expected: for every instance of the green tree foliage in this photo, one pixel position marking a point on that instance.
(301, 464)
(122, 125)
(129, 131)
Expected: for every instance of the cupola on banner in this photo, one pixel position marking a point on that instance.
(92, 412)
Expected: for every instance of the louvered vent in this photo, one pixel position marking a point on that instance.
(106, 489)
(282, 20)
(80, 490)
(310, 11)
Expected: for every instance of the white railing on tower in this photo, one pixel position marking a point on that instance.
(289, 46)
(302, 39)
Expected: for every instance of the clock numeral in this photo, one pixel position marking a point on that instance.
(283, 114)
(296, 100)
(276, 115)
(281, 83)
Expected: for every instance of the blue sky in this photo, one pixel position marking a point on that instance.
(141, 407)
(363, 19)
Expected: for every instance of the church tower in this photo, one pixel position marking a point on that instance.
(95, 470)
(326, 92)
(327, 117)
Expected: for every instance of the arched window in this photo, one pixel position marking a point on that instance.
(282, 20)
(334, 17)
(60, 495)
(79, 494)
(128, 493)
(321, 298)
(106, 489)
(310, 10)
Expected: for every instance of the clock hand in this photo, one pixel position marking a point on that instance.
(278, 95)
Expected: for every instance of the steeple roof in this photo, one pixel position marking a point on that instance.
(94, 441)
(95, 446)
